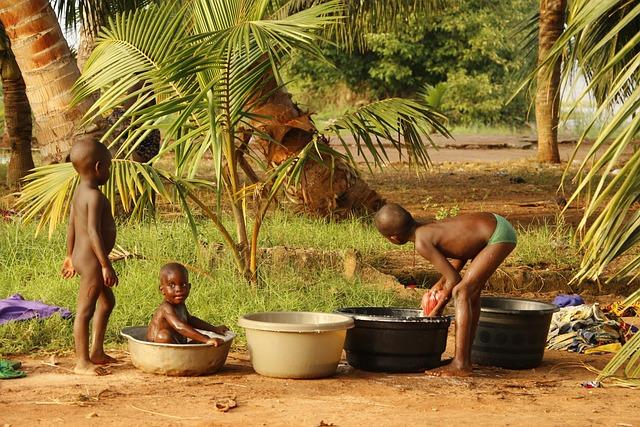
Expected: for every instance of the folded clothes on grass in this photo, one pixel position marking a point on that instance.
(9, 369)
(17, 308)
(583, 327)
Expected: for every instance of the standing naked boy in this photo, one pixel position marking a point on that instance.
(171, 323)
(485, 238)
(90, 237)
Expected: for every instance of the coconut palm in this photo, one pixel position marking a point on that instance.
(17, 115)
(602, 42)
(211, 68)
(48, 70)
(547, 102)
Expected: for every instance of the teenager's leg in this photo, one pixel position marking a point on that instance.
(467, 300)
(105, 305)
(88, 294)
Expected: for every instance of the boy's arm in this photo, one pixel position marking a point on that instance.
(187, 330)
(450, 274)
(94, 221)
(205, 326)
(68, 271)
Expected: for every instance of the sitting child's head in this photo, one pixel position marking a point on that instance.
(91, 159)
(394, 223)
(174, 283)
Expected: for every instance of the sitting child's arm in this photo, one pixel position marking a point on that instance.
(205, 326)
(186, 330)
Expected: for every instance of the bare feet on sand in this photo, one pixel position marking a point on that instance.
(90, 369)
(102, 359)
(450, 370)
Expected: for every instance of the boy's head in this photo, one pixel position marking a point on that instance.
(91, 159)
(174, 283)
(394, 223)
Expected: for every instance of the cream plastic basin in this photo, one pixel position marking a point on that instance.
(176, 359)
(295, 344)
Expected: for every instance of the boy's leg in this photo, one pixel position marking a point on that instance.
(91, 283)
(467, 300)
(106, 302)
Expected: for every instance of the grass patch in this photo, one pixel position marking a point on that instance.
(31, 265)
(546, 246)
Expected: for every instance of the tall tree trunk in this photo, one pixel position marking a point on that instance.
(86, 46)
(17, 119)
(49, 71)
(548, 84)
(331, 188)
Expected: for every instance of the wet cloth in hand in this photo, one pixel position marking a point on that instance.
(582, 327)
(9, 369)
(17, 308)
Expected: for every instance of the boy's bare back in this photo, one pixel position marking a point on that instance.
(460, 237)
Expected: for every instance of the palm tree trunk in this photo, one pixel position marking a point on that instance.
(18, 125)
(49, 72)
(548, 84)
(331, 188)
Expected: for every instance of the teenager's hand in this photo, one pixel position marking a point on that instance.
(221, 330)
(109, 276)
(67, 268)
(435, 299)
(214, 341)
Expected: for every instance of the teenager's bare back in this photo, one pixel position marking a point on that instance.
(460, 237)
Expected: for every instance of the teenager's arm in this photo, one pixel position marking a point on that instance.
(450, 274)
(94, 221)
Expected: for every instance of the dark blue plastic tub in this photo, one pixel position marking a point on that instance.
(512, 332)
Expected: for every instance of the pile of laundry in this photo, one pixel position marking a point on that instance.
(16, 307)
(586, 328)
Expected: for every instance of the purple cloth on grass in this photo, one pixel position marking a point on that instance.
(17, 308)
(568, 300)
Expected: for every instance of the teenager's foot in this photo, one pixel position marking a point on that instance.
(103, 359)
(90, 369)
(450, 370)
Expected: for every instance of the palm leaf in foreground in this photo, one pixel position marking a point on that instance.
(603, 42)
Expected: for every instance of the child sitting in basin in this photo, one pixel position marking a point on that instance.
(485, 238)
(171, 323)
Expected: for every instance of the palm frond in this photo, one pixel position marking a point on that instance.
(48, 192)
(395, 123)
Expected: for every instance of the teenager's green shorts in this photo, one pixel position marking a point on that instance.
(504, 232)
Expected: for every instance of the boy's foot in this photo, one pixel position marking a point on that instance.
(90, 369)
(449, 370)
(103, 359)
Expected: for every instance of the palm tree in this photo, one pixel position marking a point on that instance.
(603, 39)
(17, 115)
(547, 103)
(49, 72)
(211, 67)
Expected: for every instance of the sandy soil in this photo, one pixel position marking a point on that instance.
(549, 395)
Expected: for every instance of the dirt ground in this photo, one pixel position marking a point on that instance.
(468, 180)
(548, 395)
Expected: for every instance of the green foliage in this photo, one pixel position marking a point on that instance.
(31, 267)
(471, 47)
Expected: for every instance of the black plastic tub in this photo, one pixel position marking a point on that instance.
(512, 333)
(394, 339)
